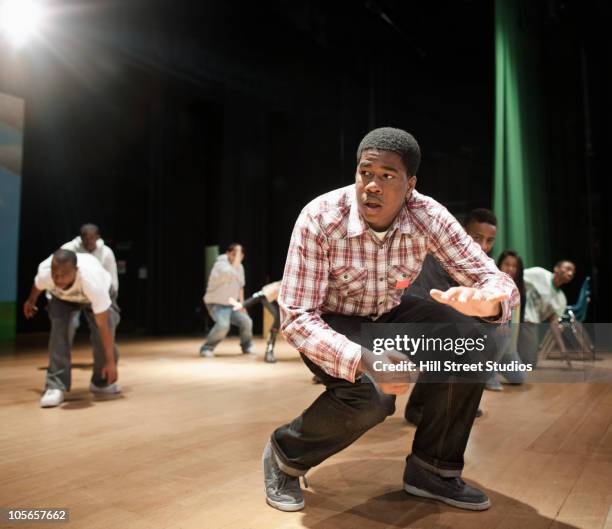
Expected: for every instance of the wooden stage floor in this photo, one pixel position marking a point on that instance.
(181, 449)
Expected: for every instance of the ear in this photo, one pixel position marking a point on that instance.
(412, 180)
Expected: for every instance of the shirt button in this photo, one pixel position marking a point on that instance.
(382, 278)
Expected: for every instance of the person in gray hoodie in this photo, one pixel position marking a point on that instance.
(226, 281)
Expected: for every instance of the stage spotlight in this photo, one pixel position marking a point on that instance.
(20, 20)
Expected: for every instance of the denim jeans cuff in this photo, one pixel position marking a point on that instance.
(444, 472)
(54, 385)
(287, 469)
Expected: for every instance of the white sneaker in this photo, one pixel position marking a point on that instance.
(52, 398)
(111, 389)
(206, 352)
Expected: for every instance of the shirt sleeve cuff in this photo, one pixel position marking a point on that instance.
(503, 315)
(348, 361)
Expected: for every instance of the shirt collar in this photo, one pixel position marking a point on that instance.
(358, 226)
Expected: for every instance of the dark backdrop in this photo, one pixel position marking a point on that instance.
(176, 125)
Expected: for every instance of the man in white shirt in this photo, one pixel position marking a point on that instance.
(91, 242)
(76, 283)
(545, 301)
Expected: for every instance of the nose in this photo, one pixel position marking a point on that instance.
(373, 187)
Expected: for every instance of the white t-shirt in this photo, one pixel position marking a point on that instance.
(543, 298)
(91, 285)
(380, 235)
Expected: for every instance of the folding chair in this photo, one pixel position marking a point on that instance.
(572, 319)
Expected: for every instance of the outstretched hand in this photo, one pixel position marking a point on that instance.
(470, 301)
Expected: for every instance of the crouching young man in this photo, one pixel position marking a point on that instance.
(353, 251)
(76, 283)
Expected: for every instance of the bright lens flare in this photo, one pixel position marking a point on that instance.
(19, 20)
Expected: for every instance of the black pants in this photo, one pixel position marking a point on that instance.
(345, 410)
(420, 391)
(273, 308)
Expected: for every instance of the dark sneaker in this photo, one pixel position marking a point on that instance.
(283, 491)
(419, 481)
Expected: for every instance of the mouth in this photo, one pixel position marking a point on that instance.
(371, 206)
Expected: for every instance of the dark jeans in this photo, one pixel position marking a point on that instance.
(345, 410)
(64, 320)
(272, 308)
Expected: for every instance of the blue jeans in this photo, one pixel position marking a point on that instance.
(224, 316)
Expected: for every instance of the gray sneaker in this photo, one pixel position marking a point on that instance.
(283, 491)
(419, 481)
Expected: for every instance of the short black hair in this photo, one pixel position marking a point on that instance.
(396, 140)
(62, 256)
(232, 247)
(481, 215)
(90, 227)
(559, 263)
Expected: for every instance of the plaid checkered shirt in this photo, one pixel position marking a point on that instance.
(336, 264)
